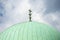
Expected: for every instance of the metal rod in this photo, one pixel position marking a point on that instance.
(30, 18)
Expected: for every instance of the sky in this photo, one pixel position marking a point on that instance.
(16, 11)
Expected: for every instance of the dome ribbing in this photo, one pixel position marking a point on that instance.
(30, 31)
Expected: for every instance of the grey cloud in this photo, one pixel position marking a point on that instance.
(37, 5)
(6, 8)
(53, 19)
(2, 12)
(52, 5)
(52, 11)
(53, 8)
(9, 15)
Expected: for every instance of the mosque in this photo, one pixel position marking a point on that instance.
(30, 31)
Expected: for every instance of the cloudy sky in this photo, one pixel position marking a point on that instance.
(16, 11)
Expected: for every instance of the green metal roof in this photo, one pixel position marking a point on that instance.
(30, 31)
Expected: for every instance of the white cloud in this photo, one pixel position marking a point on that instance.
(38, 18)
(17, 11)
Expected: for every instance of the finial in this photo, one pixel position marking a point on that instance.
(30, 15)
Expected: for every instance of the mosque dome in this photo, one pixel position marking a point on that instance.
(30, 31)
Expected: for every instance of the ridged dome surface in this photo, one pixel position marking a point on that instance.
(30, 31)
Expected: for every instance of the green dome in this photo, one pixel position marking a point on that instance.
(30, 31)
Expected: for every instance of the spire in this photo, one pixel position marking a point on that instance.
(30, 15)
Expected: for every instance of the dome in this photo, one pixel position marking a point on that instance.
(30, 31)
